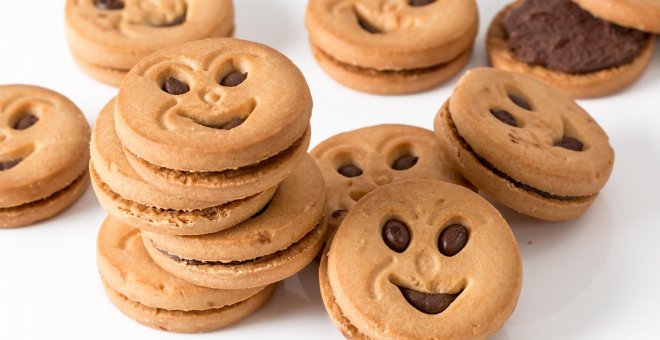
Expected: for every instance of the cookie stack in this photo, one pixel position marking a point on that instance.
(209, 162)
(108, 37)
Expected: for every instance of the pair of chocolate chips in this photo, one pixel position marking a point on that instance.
(23, 123)
(506, 117)
(113, 5)
(176, 87)
(402, 163)
(452, 240)
(374, 30)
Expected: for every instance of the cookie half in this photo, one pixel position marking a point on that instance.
(155, 298)
(356, 162)
(393, 48)
(125, 195)
(527, 145)
(588, 84)
(420, 260)
(43, 154)
(269, 247)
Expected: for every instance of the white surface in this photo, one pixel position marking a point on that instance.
(594, 278)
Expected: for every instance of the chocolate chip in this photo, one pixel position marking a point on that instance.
(428, 303)
(6, 165)
(504, 116)
(337, 214)
(175, 86)
(368, 27)
(350, 171)
(396, 235)
(520, 102)
(570, 143)
(234, 123)
(110, 4)
(233, 79)
(404, 162)
(25, 122)
(452, 239)
(420, 2)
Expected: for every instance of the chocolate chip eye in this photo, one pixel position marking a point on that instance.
(233, 79)
(416, 3)
(504, 116)
(570, 143)
(337, 214)
(109, 4)
(452, 239)
(404, 162)
(349, 171)
(25, 122)
(368, 27)
(520, 102)
(234, 123)
(396, 235)
(174, 86)
(6, 165)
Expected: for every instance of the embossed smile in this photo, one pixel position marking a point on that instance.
(428, 303)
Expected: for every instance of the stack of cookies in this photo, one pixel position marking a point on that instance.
(209, 162)
(108, 37)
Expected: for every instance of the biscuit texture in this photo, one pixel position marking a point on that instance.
(383, 154)
(585, 85)
(375, 287)
(638, 14)
(43, 138)
(525, 163)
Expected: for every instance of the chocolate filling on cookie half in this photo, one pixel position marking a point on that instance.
(561, 36)
(456, 136)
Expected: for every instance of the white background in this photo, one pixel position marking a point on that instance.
(597, 277)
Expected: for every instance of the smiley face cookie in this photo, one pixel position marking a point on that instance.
(527, 145)
(269, 247)
(155, 298)
(421, 260)
(561, 44)
(202, 120)
(392, 46)
(126, 196)
(108, 37)
(43, 154)
(355, 163)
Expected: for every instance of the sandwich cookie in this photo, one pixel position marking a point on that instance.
(356, 162)
(43, 154)
(126, 196)
(421, 260)
(154, 298)
(561, 44)
(202, 120)
(393, 46)
(108, 37)
(529, 146)
(271, 246)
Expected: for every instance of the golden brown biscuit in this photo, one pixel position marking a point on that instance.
(43, 154)
(356, 162)
(639, 14)
(393, 46)
(420, 260)
(526, 144)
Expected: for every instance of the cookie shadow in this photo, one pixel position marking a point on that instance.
(266, 22)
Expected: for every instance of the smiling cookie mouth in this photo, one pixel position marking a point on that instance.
(428, 303)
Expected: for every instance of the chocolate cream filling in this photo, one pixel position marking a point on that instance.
(403, 72)
(561, 36)
(502, 174)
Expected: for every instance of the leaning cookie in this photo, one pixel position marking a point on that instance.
(108, 37)
(155, 298)
(421, 260)
(271, 246)
(397, 47)
(202, 120)
(126, 196)
(567, 48)
(356, 162)
(526, 144)
(43, 154)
